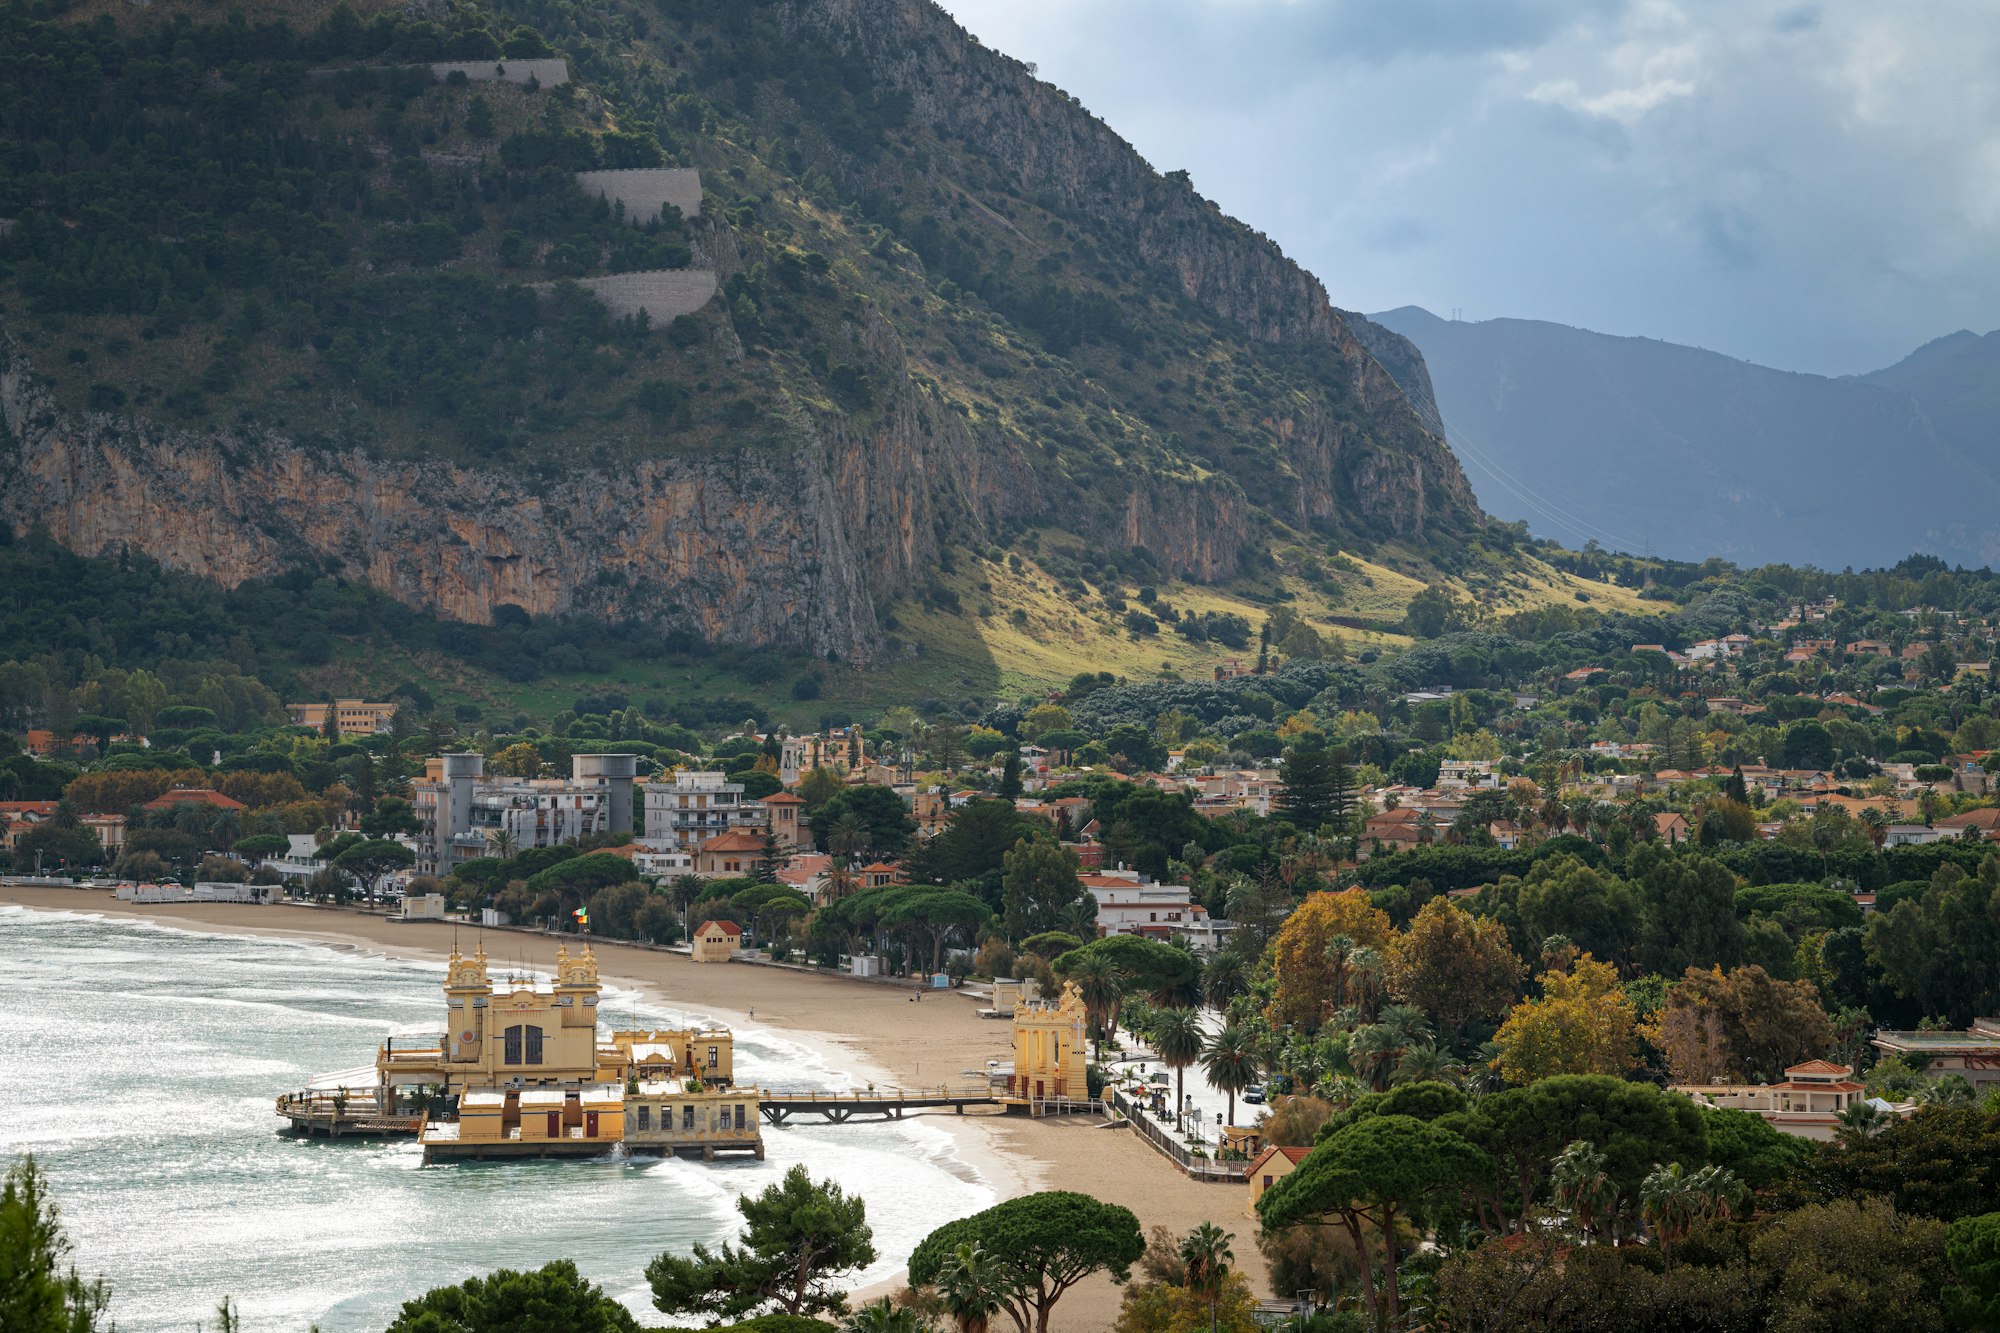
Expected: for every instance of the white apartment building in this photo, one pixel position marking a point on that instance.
(1126, 905)
(462, 813)
(694, 807)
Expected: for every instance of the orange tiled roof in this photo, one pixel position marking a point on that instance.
(194, 796)
(735, 840)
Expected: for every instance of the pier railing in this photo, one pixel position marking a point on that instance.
(1167, 1145)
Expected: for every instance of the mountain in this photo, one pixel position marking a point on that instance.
(1956, 380)
(389, 294)
(1638, 444)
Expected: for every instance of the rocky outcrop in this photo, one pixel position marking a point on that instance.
(1061, 155)
(780, 545)
(1405, 364)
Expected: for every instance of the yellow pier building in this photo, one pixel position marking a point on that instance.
(519, 1069)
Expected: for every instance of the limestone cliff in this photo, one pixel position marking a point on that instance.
(1396, 466)
(1035, 331)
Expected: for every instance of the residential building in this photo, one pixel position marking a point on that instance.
(659, 865)
(1986, 821)
(17, 817)
(841, 749)
(1127, 905)
(354, 717)
(301, 859)
(110, 830)
(1808, 1103)
(1205, 935)
(1973, 1053)
(1401, 829)
(462, 813)
(729, 854)
(695, 807)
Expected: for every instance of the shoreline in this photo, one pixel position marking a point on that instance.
(864, 1030)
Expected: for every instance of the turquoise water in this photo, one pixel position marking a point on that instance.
(138, 1064)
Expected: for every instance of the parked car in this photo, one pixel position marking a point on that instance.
(1254, 1094)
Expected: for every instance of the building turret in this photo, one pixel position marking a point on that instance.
(577, 987)
(466, 993)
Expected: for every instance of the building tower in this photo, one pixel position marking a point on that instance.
(613, 774)
(466, 995)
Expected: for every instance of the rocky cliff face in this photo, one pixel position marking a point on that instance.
(1397, 468)
(800, 537)
(794, 546)
(767, 546)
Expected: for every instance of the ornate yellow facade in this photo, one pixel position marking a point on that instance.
(515, 1032)
(1051, 1049)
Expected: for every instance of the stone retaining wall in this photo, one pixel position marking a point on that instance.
(664, 294)
(644, 190)
(548, 72)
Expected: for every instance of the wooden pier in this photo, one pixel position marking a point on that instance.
(838, 1108)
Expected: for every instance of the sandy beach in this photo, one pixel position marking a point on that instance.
(873, 1031)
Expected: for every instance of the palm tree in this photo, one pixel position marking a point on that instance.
(1718, 1194)
(840, 880)
(1225, 978)
(1177, 1037)
(1672, 1200)
(1343, 1090)
(974, 1287)
(882, 1317)
(1339, 959)
(848, 835)
(1080, 919)
(66, 815)
(1406, 1021)
(1946, 1090)
(1205, 1252)
(500, 843)
(1558, 953)
(226, 829)
(1367, 974)
(1861, 1120)
(1373, 1051)
(1583, 1187)
(1426, 1064)
(1101, 985)
(1230, 1061)
(687, 888)
(1667, 1204)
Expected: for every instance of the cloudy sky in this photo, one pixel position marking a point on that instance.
(1815, 186)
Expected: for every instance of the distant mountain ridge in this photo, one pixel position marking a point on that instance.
(1639, 443)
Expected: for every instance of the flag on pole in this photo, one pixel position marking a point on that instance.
(582, 917)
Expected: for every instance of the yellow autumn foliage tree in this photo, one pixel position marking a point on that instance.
(1305, 975)
(1583, 1023)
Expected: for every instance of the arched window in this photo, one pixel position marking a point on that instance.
(523, 1045)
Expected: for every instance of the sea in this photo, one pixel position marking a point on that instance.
(139, 1064)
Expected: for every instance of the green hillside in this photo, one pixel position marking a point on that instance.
(284, 244)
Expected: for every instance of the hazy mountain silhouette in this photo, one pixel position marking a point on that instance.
(1639, 443)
